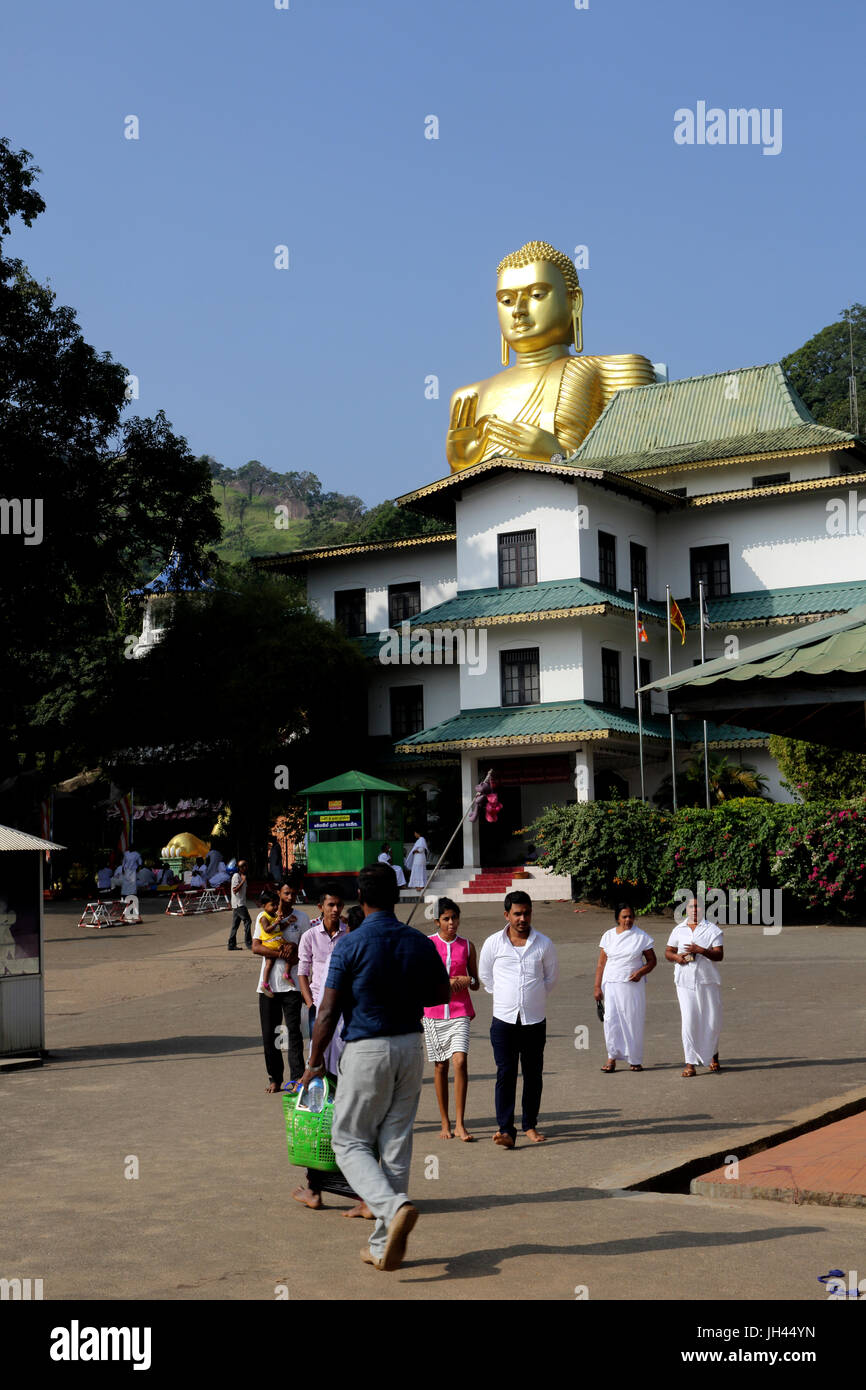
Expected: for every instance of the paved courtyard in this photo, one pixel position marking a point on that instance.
(156, 1058)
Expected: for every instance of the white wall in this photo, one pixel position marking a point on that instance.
(775, 542)
(434, 566)
(626, 520)
(441, 694)
(524, 502)
(559, 659)
(728, 477)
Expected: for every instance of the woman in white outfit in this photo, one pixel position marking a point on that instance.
(625, 959)
(416, 862)
(695, 947)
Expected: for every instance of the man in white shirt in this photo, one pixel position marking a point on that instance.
(518, 966)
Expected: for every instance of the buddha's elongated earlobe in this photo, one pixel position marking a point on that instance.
(505, 352)
(577, 320)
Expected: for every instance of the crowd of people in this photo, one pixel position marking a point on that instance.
(373, 994)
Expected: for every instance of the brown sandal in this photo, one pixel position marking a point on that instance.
(714, 1065)
(611, 1068)
(689, 1071)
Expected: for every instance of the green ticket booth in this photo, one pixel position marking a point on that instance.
(349, 818)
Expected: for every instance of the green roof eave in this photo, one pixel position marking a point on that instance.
(548, 599)
(352, 782)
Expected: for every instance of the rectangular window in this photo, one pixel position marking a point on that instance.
(711, 564)
(350, 611)
(610, 677)
(404, 601)
(517, 559)
(645, 678)
(770, 479)
(607, 560)
(407, 710)
(520, 680)
(638, 569)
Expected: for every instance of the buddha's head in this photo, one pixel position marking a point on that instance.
(539, 299)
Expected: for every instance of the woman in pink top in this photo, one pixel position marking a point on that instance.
(446, 1026)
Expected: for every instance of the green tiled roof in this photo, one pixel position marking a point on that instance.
(559, 721)
(725, 415)
(758, 605)
(351, 782)
(554, 595)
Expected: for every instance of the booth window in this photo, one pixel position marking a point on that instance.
(404, 601)
(350, 611)
(711, 564)
(520, 679)
(607, 560)
(610, 677)
(407, 710)
(518, 563)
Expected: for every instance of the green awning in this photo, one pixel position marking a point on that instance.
(808, 684)
(352, 782)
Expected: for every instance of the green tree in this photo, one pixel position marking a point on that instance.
(112, 499)
(820, 369)
(248, 680)
(727, 781)
(814, 772)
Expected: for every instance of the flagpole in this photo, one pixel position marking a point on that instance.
(670, 673)
(703, 658)
(638, 700)
(432, 875)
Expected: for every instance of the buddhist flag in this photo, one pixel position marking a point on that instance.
(641, 633)
(677, 620)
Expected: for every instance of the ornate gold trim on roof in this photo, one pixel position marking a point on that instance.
(336, 552)
(777, 489)
(786, 620)
(507, 741)
(722, 743)
(543, 615)
(561, 470)
(736, 458)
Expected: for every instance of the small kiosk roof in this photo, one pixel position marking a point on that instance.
(18, 839)
(353, 782)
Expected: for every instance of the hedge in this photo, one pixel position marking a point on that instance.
(814, 851)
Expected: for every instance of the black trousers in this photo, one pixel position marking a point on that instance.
(284, 1007)
(513, 1043)
(241, 914)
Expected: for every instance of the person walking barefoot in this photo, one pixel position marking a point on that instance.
(446, 1026)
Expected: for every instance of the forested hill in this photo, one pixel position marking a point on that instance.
(263, 512)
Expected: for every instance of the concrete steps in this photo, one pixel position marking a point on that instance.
(476, 885)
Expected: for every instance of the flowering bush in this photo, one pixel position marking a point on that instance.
(821, 858)
(814, 851)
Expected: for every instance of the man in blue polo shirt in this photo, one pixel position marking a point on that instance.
(381, 978)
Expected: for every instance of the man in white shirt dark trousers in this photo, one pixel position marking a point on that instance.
(518, 966)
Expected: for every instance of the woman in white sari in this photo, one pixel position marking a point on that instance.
(625, 959)
(416, 862)
(694, 947)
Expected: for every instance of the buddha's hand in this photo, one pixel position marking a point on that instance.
(466, 440)
(526, 441)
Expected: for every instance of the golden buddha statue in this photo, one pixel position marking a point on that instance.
(549, 400)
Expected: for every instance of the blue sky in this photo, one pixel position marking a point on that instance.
(306, 128)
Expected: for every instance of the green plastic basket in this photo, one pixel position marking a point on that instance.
(308, 1135)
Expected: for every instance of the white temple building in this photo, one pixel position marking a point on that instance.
(726, 479)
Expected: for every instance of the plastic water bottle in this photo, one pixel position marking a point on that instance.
(316, 1095)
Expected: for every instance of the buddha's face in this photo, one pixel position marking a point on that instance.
(534, 306)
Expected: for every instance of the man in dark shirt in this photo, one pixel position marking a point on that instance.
(381, 977)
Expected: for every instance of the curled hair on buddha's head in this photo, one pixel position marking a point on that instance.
(542, 251)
